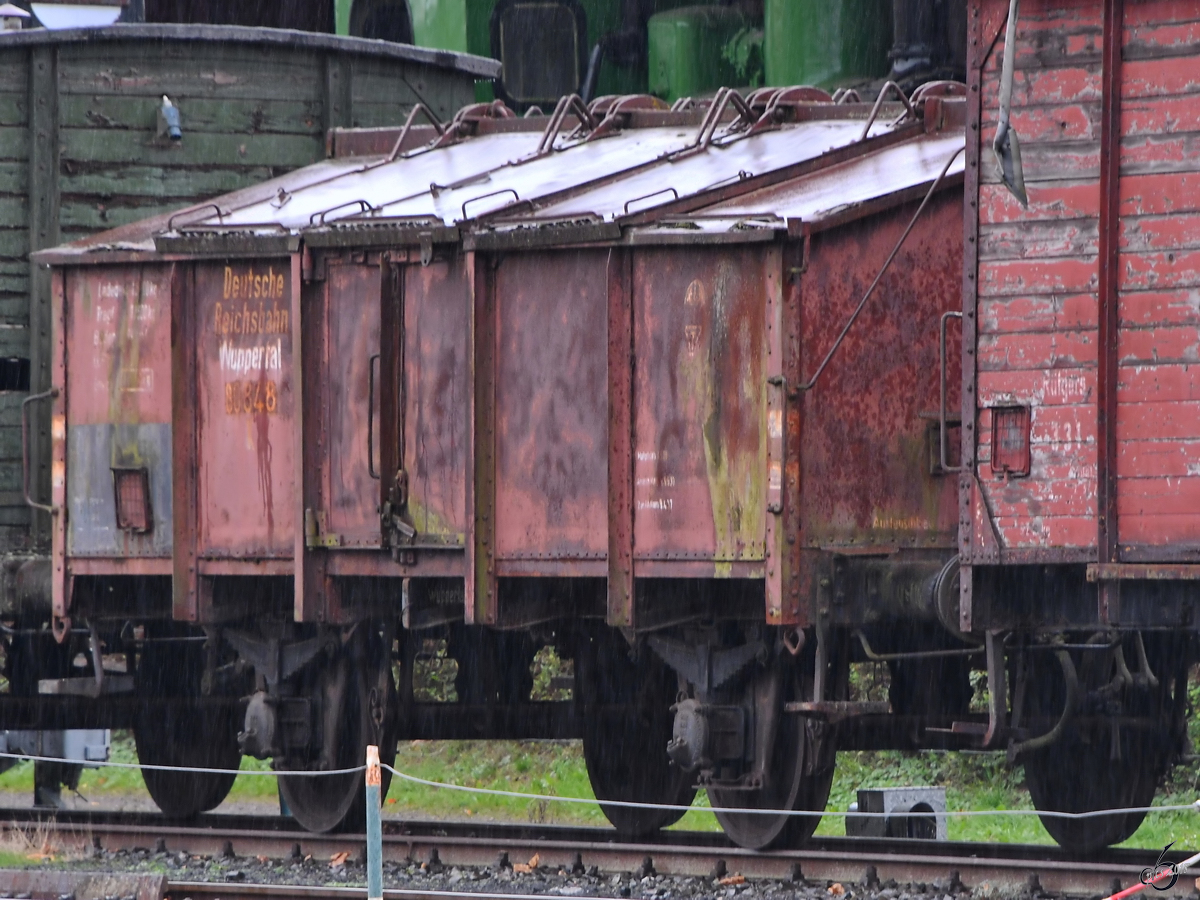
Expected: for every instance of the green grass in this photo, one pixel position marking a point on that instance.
(972, 780)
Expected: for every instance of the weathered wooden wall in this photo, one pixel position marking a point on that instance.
(1038, 277)
(1158, 379)
(1106, 354)
(79, 150)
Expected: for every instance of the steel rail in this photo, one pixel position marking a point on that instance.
(673, 852)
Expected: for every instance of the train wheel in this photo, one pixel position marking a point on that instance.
(358, 695)
(1101, 766)
(799, 777)
(187, 732)
(1078, 775)
(627, 726)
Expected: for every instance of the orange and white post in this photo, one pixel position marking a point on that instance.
(374, 830)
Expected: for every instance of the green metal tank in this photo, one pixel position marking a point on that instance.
(467, 26)
(82, 151)
(826, 42)
(687, 50)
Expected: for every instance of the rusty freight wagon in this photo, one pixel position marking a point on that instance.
(404, 403)
(85, 147)
(87, 143)
(1080, 526)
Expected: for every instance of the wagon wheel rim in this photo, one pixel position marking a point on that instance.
(625, 744)
(788, 787)
(183, 733)
(324, 803)
(798, 778)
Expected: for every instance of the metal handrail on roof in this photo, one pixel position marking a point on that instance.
(568, 104)
(195, 209)
(408, 123)
(910, 110)
(712, 118)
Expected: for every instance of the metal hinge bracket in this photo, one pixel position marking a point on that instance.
(315, 535)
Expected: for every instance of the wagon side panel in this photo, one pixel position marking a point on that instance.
(1037, 287)
(437, 385)
(245, 407)
(350, 395)
(700, 408)
(1158, 386)
(118, 389)
(872, 472)
(552, 411)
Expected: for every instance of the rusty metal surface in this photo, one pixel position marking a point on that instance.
(437, 348)
(700, 442)
(552, 406)
(867, 477)
(519, 393)
(348, 323)
(118, 344)
(480, 601)
(1102, 572)
(976, 56)
(619, 277)
(244, 408)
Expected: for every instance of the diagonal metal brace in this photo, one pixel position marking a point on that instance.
(706, 667)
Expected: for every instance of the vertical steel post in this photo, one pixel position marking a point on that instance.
(621, 416)
(44, 195)
(374, 831)
(1108, 360)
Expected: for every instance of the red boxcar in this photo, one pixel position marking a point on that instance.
(1081, 425)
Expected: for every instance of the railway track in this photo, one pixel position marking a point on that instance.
(229, 838)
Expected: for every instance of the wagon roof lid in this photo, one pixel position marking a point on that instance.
(688, 172)
(744, 182)
(850, 190)
(238, 34)
(540, 171)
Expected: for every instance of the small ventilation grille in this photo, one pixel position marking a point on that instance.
(132, 488)
(1010, 440)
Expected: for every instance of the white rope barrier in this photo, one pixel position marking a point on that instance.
(1192, 807)
(587, 801)
(94, 763)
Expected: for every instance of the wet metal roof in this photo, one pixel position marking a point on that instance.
(497, 180)
(821, 198)
(503, 173)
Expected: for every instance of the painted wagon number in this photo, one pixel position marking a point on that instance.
(251, 397)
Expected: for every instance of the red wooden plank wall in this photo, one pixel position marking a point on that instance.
(1038, 275)
(1039, 271)
(1158, 387)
